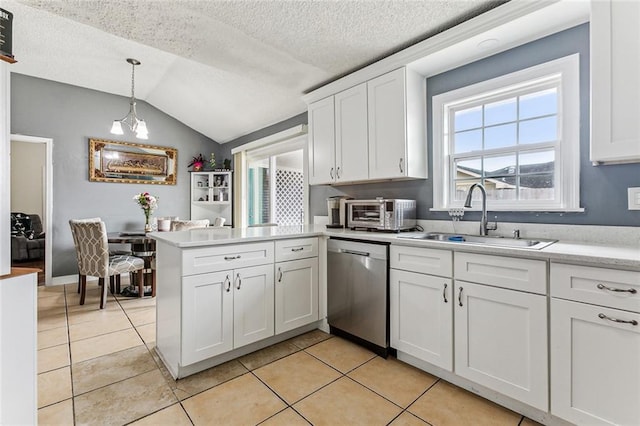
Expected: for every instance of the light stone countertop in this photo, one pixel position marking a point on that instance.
(608, 255)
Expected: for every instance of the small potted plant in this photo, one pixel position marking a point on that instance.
(197, 163)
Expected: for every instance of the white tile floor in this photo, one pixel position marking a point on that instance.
(99, 367)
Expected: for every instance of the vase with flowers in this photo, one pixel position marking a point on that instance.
(197, 163)
(148, 203)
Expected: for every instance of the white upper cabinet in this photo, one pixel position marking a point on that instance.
(615, 81)
(322, 139)
(351, 134)
(397, 144)
(377, 131)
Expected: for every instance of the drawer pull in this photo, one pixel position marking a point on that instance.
(632, 322)
(232, 257)
(279, 275)
(239, 281)
(297, 249)
(460, 297)
(228, 282)
(444, 293)
(617, 290)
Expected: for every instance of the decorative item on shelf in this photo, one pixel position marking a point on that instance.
(148, 203)
(226, 163)
(212, 161)
(132, 121)
(197, 163)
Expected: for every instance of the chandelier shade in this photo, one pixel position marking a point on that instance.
(131, 120)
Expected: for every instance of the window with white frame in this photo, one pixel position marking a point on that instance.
(518, 135)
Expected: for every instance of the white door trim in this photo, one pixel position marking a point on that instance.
(48, 198)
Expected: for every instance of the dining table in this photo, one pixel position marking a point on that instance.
(141, 246)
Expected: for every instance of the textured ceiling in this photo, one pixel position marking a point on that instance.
(224, 68)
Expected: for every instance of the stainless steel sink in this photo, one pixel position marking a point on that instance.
(535, 244)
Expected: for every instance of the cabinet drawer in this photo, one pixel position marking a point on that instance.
(211, 259)
(422, 260)
(599, 286)
(298, 248)
(507, 272)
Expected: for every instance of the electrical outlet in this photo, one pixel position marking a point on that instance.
(634, 198)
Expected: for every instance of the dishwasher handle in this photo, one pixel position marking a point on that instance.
(355, 252)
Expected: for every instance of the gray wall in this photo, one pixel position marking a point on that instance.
(71, 115)
(603, 192)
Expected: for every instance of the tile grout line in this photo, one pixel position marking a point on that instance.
(166, 380)
(301, 399)
(66, 319)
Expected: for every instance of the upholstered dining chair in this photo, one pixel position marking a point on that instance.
(183, 225)
(75, 242)
(95, 261)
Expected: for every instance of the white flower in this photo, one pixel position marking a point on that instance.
(146, 201)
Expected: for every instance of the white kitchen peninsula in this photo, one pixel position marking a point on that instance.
(223, 292)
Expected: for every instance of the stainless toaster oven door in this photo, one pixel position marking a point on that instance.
(370, 215)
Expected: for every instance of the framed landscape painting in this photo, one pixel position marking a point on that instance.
(128, 162)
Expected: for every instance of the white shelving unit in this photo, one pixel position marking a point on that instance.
(212, 196)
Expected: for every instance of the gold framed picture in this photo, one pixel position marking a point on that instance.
(128, 162)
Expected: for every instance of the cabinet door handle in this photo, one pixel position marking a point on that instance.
(444, 293)
(228, 282)
(401, 165)
(239, 281)
(617, 290)
(279, 275)
(632, 322)
(331, 173)
(232, 257)
(297, 249)
(460, 297)
(355, 252)
(338, 173)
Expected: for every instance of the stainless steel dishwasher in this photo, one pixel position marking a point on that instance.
(357, 292)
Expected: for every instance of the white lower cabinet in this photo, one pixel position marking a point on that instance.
(595, 364)
(501, 341)
(296, 291)
(207, 316)
(595, 345)
(492, 332)
(421, 317)
(225, 310)
(253, 304)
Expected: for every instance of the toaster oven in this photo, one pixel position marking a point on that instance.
(381, 214)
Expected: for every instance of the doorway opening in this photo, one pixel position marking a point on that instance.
(271, 180)
(276, 188)
(32, 204)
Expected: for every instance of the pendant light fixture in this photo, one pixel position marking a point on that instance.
(134, 123)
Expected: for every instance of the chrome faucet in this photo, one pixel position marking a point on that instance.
(484, 225)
